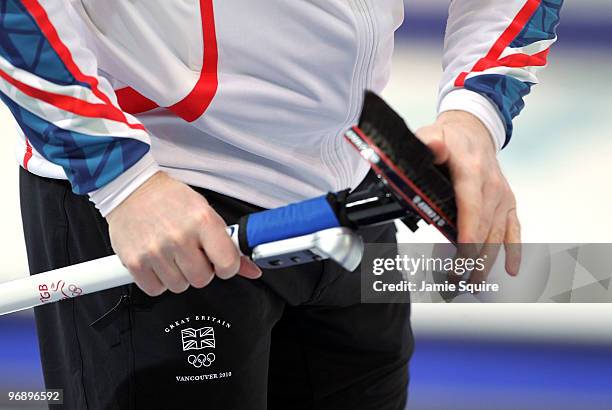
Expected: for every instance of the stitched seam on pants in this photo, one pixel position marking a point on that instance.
(72, 301)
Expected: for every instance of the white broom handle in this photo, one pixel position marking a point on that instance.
(69, 282)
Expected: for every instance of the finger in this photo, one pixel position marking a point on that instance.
(249, 269)
(512, 243)
(491, 216)
(488, 254)
(170, 275)
(195, 266)
(148, 282)
(433, 137)
(219, 247)
(468, 196)
(490, 251)
(464, 251)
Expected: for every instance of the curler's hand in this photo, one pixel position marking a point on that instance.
(169, 237)
(485, 202)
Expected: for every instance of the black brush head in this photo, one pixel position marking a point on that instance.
(390, 133)
(405, 163)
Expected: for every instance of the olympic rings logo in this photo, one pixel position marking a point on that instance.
(200, 360)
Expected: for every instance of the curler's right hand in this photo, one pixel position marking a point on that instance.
(169, 237)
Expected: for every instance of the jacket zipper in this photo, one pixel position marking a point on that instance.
(362, 78)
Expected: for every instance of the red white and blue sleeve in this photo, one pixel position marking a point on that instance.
(493, 52)
(49, 81)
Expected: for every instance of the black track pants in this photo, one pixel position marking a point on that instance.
(296, 339)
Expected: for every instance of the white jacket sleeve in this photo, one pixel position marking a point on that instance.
(493, 51)
(49, 80)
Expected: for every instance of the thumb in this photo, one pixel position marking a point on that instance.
(433, 137)
(248, 268)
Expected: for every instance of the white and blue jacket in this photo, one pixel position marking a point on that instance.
(245, 97)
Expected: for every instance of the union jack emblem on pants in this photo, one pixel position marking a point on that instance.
(198, 339)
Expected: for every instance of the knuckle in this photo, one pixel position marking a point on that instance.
(227, 260)
(178, 286)
(200, 280)
(226, 270)
(153, 289)
(158, 291)
(175, 239)
(150, 291)
(135, 265)
(152, 252)
(139, 265)
(207, 216)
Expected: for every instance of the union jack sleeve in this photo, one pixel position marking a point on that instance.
(49, 81)
(493, 52)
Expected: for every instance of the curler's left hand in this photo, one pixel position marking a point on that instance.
(485, 202)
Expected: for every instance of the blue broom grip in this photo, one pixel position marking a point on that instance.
(290, 221)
